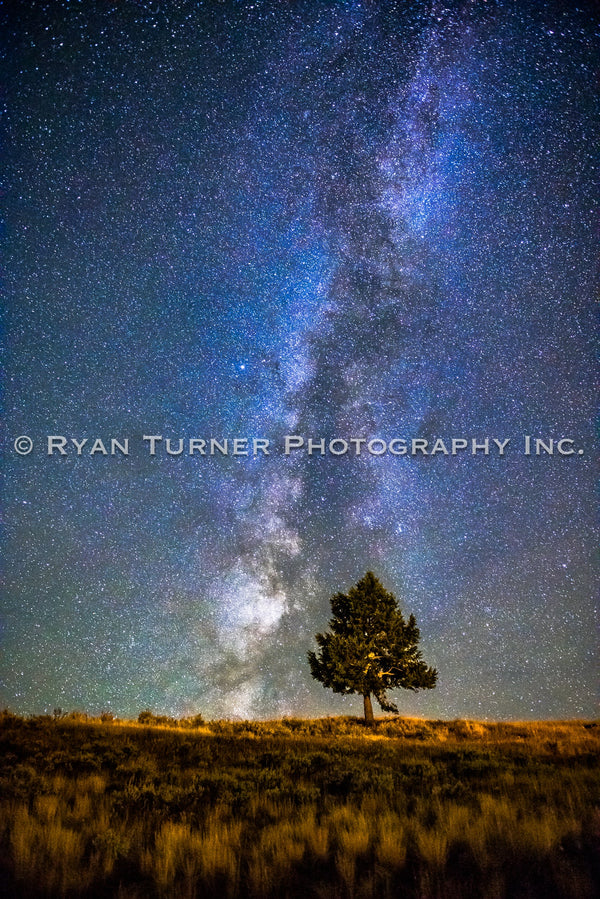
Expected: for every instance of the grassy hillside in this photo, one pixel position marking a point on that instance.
(294, 808)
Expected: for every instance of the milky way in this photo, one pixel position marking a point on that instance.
(331, 220)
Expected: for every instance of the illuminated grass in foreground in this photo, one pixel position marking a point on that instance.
(293, 808)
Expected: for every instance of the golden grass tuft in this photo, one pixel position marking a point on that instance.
(272, 861)
(181, 855)
(390, 849)
(44, 851)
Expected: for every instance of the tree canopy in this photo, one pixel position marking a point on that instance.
(370, 648)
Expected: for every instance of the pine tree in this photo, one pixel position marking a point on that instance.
(370, 648)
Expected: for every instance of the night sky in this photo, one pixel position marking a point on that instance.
(329, 220)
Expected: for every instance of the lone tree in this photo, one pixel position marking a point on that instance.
(370, 648)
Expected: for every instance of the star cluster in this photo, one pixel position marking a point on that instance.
(343, 219)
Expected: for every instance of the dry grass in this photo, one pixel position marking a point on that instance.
(45, 852)
(430, 809)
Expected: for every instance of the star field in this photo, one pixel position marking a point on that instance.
(258, 219)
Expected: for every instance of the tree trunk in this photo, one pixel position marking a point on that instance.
(368, 709)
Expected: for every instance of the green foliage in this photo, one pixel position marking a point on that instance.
(370, 648)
